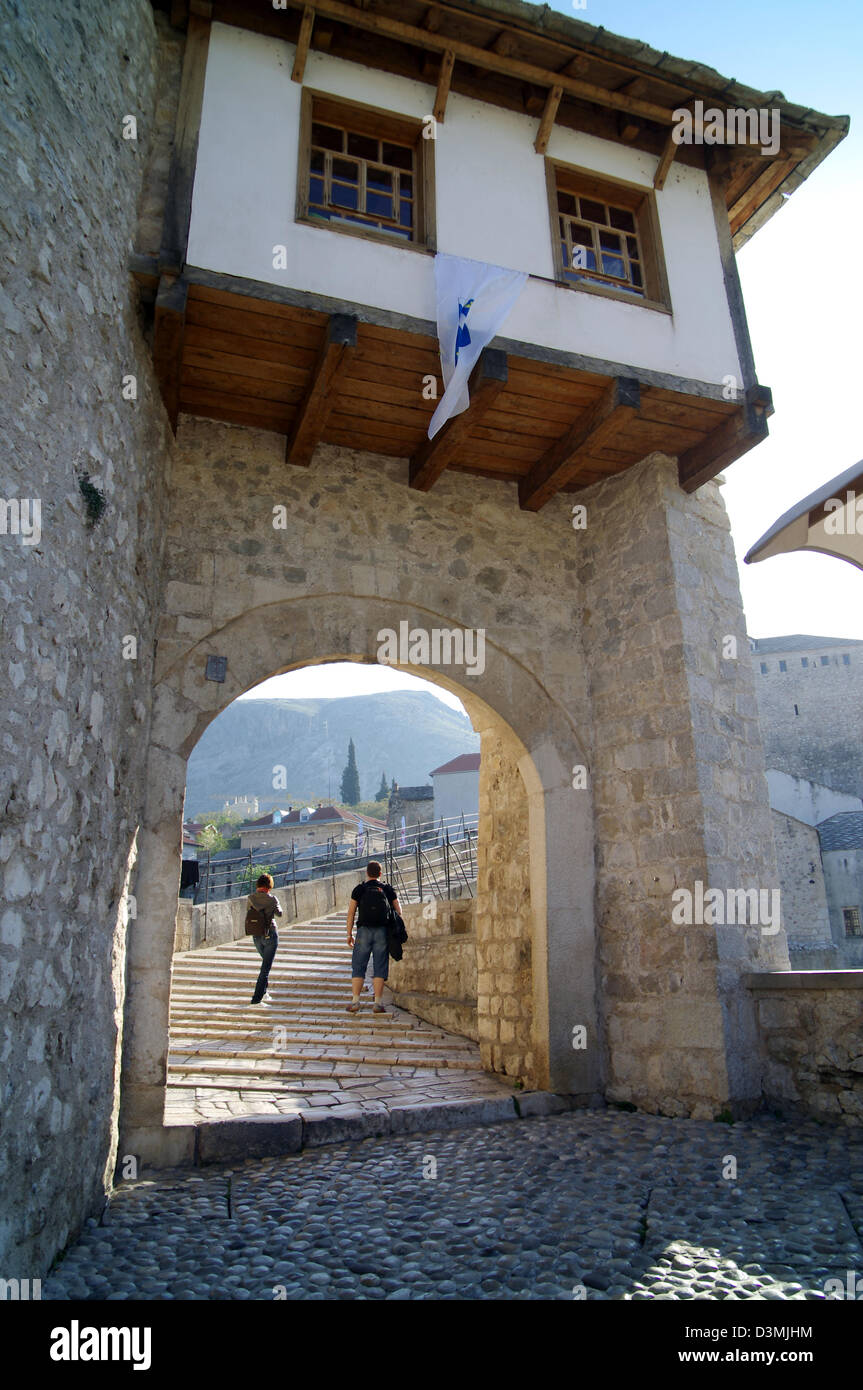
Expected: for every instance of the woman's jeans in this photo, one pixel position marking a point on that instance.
(266, 947)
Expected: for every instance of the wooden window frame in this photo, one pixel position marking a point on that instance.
(362, 119)
(635, 198)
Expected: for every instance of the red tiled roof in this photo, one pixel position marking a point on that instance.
(465, 762)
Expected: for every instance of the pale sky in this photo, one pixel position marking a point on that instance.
(805, 324)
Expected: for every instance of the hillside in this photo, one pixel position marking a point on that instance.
(404, 733)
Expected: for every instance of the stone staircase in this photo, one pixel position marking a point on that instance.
(304, 1051)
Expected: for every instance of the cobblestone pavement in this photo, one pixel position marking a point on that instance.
(304, 1052)
(601, 1204)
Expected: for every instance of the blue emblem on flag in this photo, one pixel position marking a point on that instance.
(462, 338)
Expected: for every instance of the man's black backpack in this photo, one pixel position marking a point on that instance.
(375, 909)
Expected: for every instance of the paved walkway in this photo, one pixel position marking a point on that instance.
(304, 1052)
(595, 1204)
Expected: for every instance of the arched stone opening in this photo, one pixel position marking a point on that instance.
(535, 917)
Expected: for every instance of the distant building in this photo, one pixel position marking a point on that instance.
(416, 804)
(810, 707)
(248, 806)
(810, 704)
(456, 787)
(842, 856)
(307, 825)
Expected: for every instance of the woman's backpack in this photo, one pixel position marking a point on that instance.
(258, 921)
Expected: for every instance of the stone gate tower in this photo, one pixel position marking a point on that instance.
(221, 222)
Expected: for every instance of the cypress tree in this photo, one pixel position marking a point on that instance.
(383, 789)
(351, 778)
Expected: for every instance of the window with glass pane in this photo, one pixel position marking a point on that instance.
(600, 243)
(361, 180)
(853, 923)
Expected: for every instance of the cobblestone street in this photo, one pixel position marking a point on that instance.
(605, 1205)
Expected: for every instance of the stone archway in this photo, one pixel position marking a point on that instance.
(535, 896)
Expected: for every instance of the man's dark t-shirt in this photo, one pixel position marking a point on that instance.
(389, 892)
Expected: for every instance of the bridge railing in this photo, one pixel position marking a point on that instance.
(424, 859)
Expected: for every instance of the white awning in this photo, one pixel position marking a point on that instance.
(829, 521)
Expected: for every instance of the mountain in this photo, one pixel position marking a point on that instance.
(402, 732)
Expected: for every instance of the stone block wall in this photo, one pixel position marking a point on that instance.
(811, 1026)
(219, 922)
(812, 716)
(78, 605)
(680, 792)
(504, 945)
(804, 896)
(436, 978)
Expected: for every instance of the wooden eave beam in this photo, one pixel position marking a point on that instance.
(178, 202)
(340, 341)
(487, 380)
(305, 37)
(169, 322)
(737, 434)
(665, 160)
(443, 85)
(547, 122)
(560, 464)
(761, 187)
(487, 58)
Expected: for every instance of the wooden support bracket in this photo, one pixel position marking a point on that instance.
(669, 150)
(487, 380)
(305, 38)
(443, 85)
(737, 434)
(340, 341)
(169, 322)
(560, 464)
(547, 121)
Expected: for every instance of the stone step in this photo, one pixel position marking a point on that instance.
(276, 1066)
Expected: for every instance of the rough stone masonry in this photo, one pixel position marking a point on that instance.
(74, 713)
(605, 652)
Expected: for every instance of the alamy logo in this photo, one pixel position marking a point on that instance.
(852, 1288)
(437, 646)
(733, 126)
(20, 1289)
(727, 907)
(21, 516)
(844, 518)
(77, 1343)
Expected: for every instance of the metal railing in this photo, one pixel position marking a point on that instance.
(420, 860)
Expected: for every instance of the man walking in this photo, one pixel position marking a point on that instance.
(375, 900)
(263, 905)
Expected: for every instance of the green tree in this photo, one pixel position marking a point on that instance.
(252, 872)
(351, 778)
(211, 839)
(383, 790)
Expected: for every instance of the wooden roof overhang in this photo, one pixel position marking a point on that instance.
(529, 58)
(318, 371)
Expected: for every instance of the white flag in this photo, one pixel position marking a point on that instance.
(473, 299)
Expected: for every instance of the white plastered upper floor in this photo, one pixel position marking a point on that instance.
(491, 205)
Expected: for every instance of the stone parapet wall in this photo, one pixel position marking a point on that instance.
(214, 924)
(811, 1028)
(436, 978)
